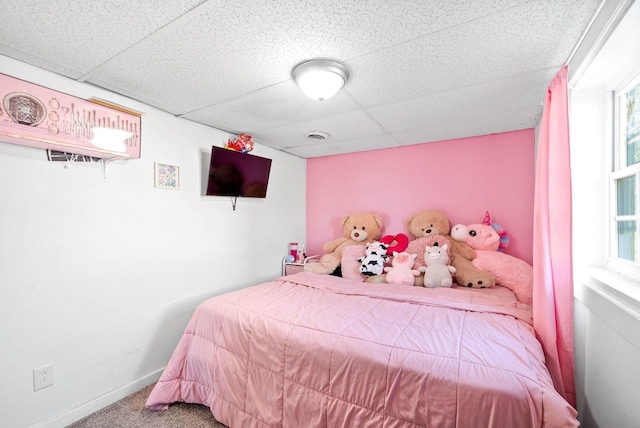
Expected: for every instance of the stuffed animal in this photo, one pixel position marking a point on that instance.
(419, 246)
(432, 222)
(477, 236)
(375, 256)
(357, 229)
(401, 271)
(397, 243)
(510, 272)
(437, 272)
(485, 236)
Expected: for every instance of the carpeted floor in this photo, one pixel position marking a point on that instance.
(131, 413)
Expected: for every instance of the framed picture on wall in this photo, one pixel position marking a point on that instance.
(166, 176)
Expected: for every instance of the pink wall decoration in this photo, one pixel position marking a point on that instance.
(463, 177)
(36, 116)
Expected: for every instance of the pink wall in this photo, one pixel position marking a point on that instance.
(464, 178)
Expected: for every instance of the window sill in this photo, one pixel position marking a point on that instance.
(619, 289)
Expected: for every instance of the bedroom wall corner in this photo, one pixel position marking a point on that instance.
(99, 275)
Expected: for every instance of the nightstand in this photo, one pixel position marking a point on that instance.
(291, 268)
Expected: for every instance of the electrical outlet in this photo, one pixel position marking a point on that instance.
(42, 377)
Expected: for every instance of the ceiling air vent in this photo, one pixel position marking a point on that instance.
(317, 135)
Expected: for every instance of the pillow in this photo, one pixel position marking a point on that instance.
(350, 263)
(509, 272)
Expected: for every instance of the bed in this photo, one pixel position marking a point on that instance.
(310, 350)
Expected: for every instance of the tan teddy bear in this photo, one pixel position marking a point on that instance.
(357, 229)
(432, 222)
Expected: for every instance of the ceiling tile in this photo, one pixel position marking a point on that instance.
(349, 29)
(480, 123)
(340, 127)
(74, 37)
(275, 106)
(346, 146)
(202, 60)
(460, 105)
(484, 50)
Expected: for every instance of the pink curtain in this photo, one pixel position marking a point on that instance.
(552, 258)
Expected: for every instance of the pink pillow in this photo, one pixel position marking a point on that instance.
(350, 264)
(509, 271)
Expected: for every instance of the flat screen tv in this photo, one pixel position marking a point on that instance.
(234, 173)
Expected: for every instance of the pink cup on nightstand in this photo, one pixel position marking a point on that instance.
(293, 249)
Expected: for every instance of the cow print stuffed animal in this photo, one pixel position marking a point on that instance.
(375, 256)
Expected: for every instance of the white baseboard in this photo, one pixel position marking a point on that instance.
(92, 406)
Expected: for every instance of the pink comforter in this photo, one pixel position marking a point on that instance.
(311, 350)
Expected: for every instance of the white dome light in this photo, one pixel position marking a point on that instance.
(320, 79)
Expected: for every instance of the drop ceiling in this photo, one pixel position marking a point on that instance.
(421, 71)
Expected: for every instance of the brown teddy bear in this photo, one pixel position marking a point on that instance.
(357, 229)
(432, 222)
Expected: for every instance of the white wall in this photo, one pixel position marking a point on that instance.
(607, 315)
(607, 349)
(607, 303)
(99, 276)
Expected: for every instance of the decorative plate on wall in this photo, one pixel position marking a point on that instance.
(24, 108)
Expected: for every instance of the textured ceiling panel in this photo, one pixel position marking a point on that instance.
(481, 123)
(202, 60)
(487, 49)
(352, 28)
(345, 126)
(498, 98)
(347, 146)
(419, 70)
(73, 37)
(276, 106)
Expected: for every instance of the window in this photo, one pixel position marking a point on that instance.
(625, 178)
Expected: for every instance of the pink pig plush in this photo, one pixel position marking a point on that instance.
(401, 271)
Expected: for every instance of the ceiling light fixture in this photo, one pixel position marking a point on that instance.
(320, 79)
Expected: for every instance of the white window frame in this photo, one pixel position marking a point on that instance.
(620, 170)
